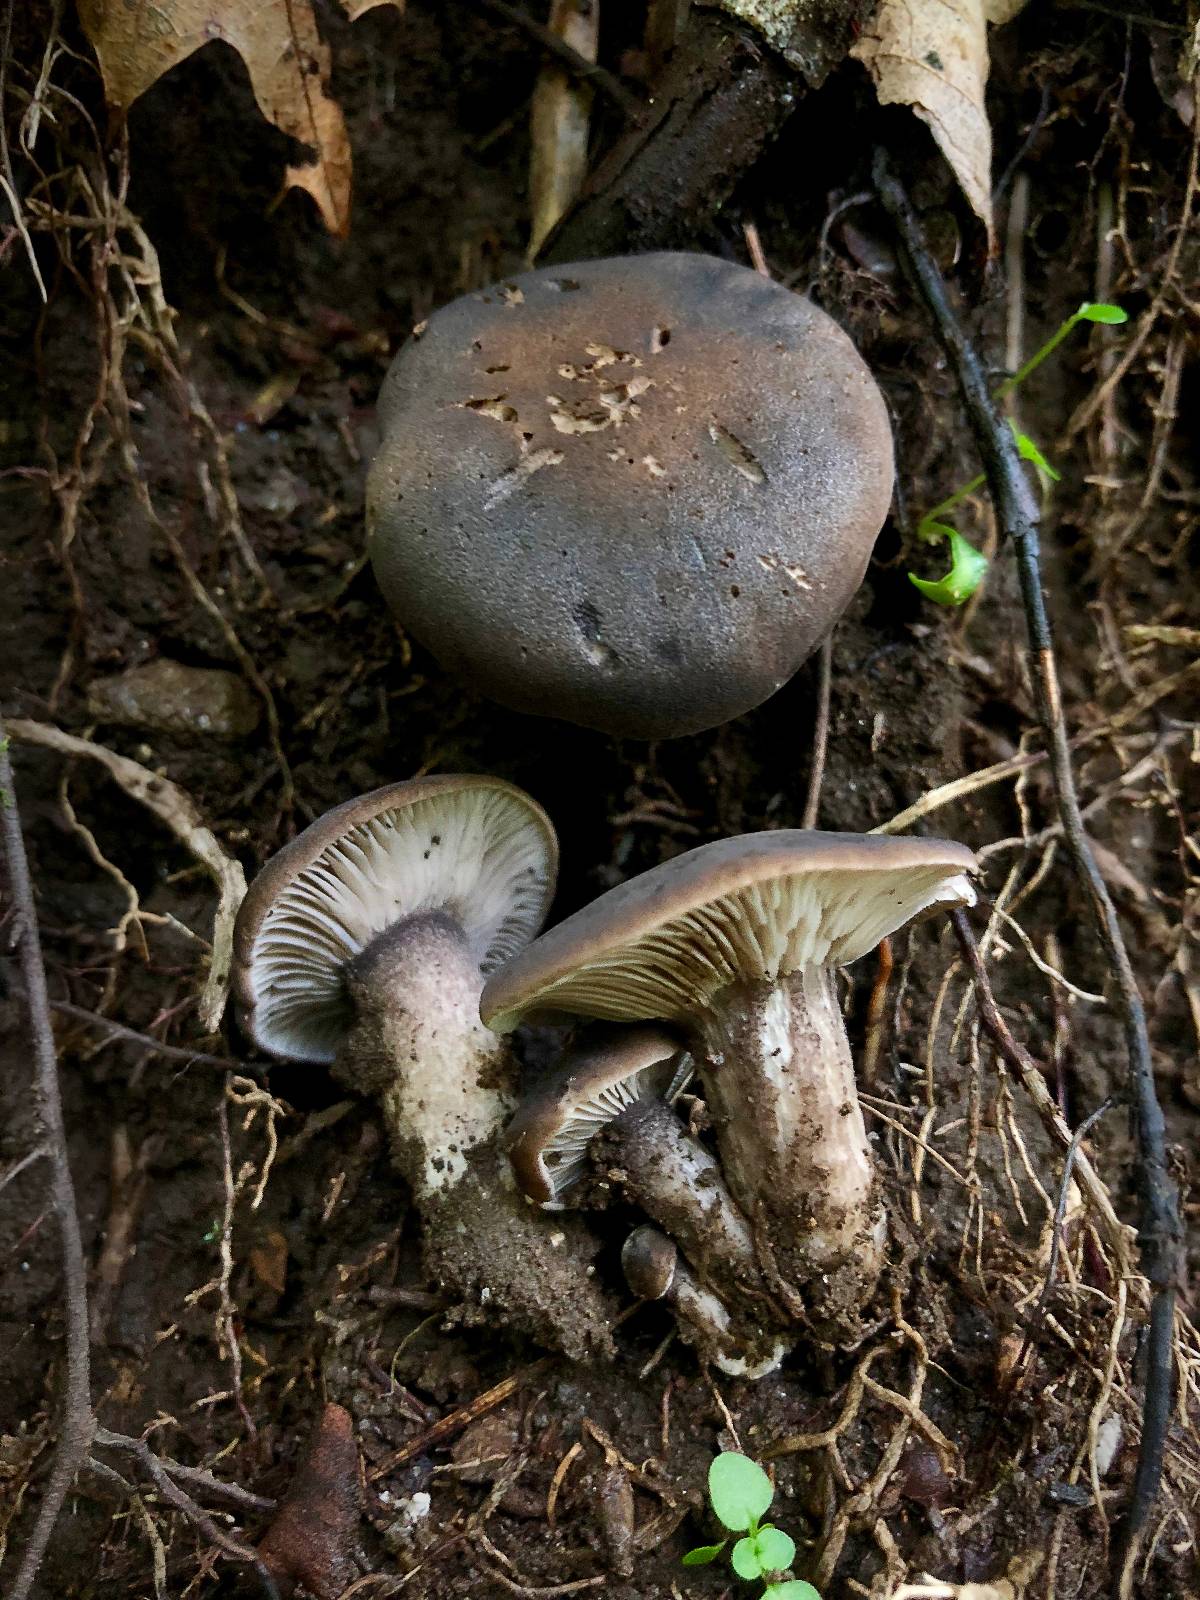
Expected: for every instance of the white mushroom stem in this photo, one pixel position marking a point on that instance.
(418, 1044)
(675, 1180)
(442, 1081)
(779, 1081)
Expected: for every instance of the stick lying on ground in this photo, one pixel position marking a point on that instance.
(78, 1429)
(1159, 1232)
(78, 1424)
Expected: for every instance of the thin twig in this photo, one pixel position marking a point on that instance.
(18, 1167)
(600, 78)
(456, 1421)
(77, 1422)
(1033, 1080)
(169, 1052)
(8, 181)
(1033, 1327)
(1167, 284)
(1159, 1232)
(200, 1476)
(164, 1481)
(820, 740)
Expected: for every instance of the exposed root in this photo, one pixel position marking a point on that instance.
(173, 807)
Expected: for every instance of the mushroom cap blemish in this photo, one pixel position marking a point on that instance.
(745, 909)
(639, 506)
(474, 852)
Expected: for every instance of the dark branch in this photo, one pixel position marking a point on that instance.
(718, 104)
(1159, 1231)
(77, 1423)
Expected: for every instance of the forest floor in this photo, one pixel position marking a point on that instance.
(200, 401)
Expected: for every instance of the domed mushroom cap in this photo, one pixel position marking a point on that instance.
(746, 909)
(649, 1261)
(548, 1139)
(474, 851)
(632, 493)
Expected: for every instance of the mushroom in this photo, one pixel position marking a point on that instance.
(363, 945)
(653, 1271)
(737, 943)
(613, 1101)
(633, 493)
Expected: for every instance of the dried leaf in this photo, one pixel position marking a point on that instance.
(932, 55)
(287, 61)
(311, 1541)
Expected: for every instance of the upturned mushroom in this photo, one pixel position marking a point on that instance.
(737, 943)
(363, 945)
(610, 1108)
(633, 493)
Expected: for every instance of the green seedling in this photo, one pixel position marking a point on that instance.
(740, 1493)
(967, 564)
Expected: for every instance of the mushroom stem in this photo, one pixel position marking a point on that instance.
(675, 1180)
(441, 1077)
(495, 1255)
(779, 1081)
(442, 1081)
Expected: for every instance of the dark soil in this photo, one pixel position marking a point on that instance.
(287, 335)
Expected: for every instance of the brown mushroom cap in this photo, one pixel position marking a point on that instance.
(633, 493)
(548, 1139)
(649, 1261)
(474, 851)
(743, 909)
(653, 1270)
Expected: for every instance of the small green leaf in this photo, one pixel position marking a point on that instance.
(1093, 311)
(793, 1589)
(739, 1489)
(1029, 451)
(745, 1560)
(967, 567)
(776, 1550)
(703, 1554)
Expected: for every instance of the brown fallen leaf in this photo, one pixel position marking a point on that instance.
(284, 54)
(932, 55)
(310, 1542)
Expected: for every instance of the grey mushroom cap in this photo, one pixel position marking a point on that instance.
(744, 909)
(473, 853)
(633, 493)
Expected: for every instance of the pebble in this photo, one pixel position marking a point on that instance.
(202, 702)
